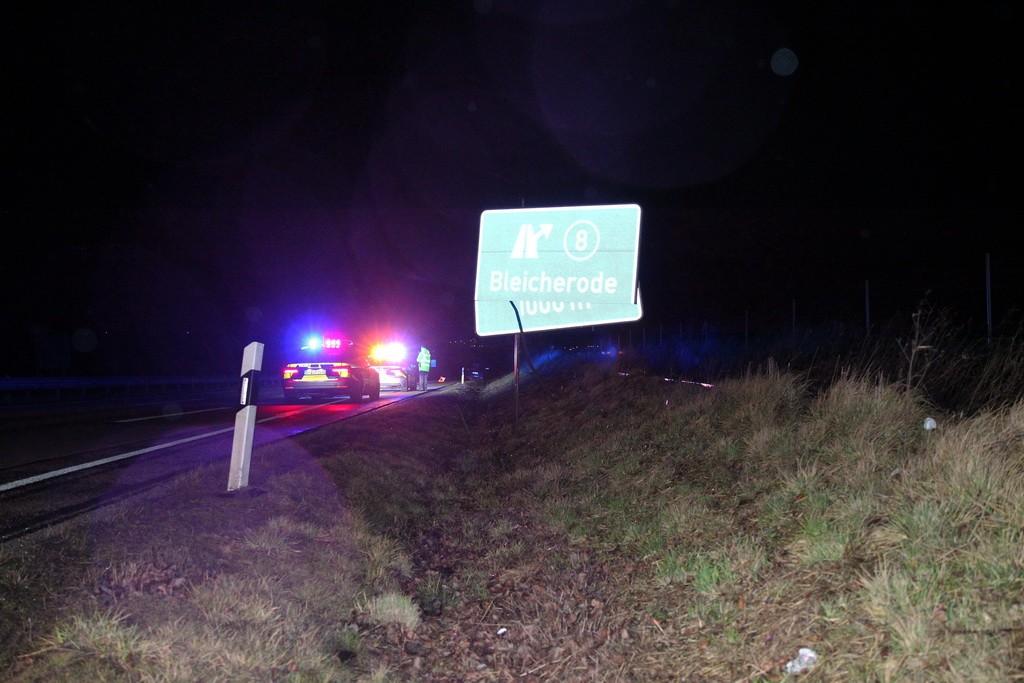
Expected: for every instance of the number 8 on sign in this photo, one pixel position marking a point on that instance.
(581, 240)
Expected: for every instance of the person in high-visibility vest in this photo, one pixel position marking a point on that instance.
(423, 362)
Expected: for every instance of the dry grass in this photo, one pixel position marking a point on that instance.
(625, 527)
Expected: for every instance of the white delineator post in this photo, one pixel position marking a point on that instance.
(245, 419)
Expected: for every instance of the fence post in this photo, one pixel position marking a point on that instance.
(988, 295)
(867, 308)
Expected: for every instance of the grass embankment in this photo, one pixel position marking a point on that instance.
(623, 528)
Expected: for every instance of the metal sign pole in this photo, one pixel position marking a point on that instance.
(245, 418)
(515, 373)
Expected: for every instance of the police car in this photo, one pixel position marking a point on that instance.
(327, 372)
(390, 360)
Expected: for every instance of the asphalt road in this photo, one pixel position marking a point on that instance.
(59, 461)
(34, 441)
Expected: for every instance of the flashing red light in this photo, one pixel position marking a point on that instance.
(326, 343)
(392, 353)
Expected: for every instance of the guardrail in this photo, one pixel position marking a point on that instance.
(19, 389)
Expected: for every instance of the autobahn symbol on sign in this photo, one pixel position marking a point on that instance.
(562, 267)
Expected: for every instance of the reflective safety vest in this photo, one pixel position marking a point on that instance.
(423, 360)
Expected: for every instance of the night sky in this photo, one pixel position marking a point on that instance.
(180, 179)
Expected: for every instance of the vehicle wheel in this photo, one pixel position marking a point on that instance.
(357, 393)
(375, 392)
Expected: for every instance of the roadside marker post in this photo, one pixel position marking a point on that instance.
(245, 418)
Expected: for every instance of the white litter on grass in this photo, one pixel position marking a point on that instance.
(929, 424)
(502, 631)
(805, 659)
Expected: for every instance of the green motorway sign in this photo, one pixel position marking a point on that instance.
(559, 267)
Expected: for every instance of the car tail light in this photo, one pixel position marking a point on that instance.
(290, 372)
(341, 370)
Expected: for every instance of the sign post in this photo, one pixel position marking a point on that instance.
(553, 268)
(245, 418)
(557, 267)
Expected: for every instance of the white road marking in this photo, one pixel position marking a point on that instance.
(114, 458)
(161, 417)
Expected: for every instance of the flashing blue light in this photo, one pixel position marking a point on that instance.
(313, 343)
